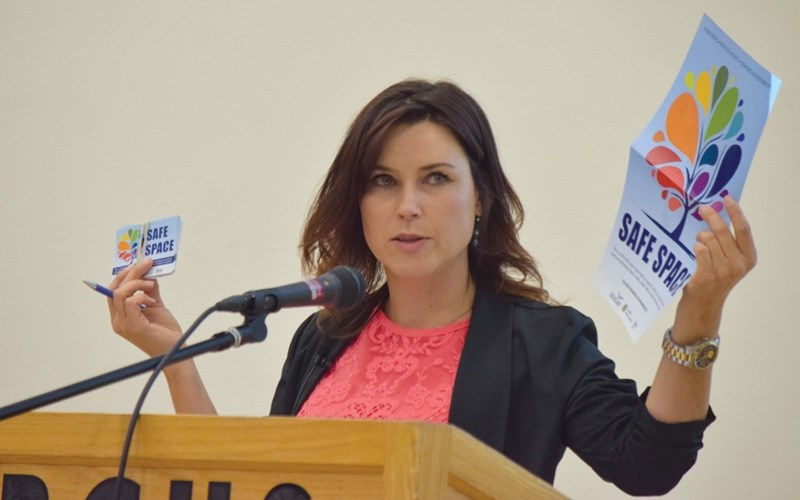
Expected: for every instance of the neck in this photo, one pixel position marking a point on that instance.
(429, 303)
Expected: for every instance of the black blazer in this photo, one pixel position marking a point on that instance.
(530, 382)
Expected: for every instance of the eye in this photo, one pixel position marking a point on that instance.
(438, 178)
(381, 180)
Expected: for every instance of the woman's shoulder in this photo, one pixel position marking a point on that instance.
(311, 337)
(539, 318)
(531, 306)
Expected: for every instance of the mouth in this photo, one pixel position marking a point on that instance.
(409, 242)
(408, 238)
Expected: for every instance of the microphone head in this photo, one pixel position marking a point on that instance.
(353, 287)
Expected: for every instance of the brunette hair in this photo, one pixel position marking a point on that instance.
(333, 234)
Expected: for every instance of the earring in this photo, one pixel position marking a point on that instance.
(476, 232)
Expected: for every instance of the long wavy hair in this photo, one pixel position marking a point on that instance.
(333, 234)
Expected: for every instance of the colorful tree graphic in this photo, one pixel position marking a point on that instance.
(701, 150)
(128, 245)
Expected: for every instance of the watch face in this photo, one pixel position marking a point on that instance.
(705, 356)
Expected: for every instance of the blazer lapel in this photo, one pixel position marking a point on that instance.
(482, 389)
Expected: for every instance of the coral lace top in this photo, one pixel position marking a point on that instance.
(392, 373)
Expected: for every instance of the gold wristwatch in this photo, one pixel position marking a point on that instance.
(700, 355)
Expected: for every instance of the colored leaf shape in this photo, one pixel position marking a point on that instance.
(720, 82)
(710, 155)
(723, 112)
(688, 80)
(696, 214)
(659, 136)
(671, 177)
(123, 245)
(699, 185)
(703, 90)
(660, 155)
(727, 168)
(736, 125)
(683, 124)
(674, 203)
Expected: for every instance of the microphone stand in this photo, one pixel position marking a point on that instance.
(254, 329)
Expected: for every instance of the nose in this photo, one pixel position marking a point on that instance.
(409, 207)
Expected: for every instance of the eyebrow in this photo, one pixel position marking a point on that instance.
(432, 166)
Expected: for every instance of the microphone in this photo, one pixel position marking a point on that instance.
(341, 288)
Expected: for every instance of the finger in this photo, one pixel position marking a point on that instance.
(710, 248)
(741, 227)
(132, 286)
(133, 272)
(129, 318)
(720, 230)
(139, 269)
(702, 255)
(118, 278)
(128, 288)
(137, 302)
(155, 292)
(705, 264)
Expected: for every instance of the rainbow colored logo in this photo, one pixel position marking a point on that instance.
(699, 150)
(128, 245)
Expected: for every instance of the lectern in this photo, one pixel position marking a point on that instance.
(72, 455)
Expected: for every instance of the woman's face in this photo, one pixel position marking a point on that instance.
(418, 210)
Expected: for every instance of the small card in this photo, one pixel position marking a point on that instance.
(157, 239)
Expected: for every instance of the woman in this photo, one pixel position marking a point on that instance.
(456, 326)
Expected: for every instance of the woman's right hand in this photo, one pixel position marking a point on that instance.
(137, 312)
(138, 315)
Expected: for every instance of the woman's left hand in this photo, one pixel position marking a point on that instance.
(724, 257)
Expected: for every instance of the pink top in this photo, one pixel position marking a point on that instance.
(392, 373)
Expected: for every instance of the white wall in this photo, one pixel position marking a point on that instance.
(228, 113)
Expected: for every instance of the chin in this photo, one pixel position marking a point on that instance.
(418, 272)
(409, 271)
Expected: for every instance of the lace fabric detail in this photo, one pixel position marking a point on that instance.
(392, 373)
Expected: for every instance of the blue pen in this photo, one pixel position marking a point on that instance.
(100, 289)
(97, 287)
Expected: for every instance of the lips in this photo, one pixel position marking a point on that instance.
(408, 241)
(408, 237)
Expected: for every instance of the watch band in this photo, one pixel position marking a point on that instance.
(700, 355)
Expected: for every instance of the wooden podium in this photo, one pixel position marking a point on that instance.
(182, 457)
